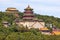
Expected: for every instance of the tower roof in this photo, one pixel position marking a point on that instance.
(28, 8)
(11, 8)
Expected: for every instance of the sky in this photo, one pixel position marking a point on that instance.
(43, 7)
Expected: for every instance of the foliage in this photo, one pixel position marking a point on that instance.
(14, 32)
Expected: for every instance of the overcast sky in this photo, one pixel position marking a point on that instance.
(43, 7)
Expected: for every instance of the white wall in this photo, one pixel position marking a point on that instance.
(32, 24)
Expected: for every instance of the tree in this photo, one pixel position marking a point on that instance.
(13, 36)
(2, 36)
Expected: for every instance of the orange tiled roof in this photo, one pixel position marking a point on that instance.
(11, 8)
(56, 32)
(45, 28)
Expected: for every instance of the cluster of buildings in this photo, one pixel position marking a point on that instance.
(29, 20)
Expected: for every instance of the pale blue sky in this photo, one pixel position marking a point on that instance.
(43, 7)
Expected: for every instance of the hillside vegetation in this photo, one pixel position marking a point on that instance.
(47, 19)
(14, 32)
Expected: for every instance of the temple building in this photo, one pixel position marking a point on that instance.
(28, 13)
(30, 20)
(12, 10)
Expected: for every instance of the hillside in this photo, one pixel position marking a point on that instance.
(15, 32)
(47, 19)
(50, 20)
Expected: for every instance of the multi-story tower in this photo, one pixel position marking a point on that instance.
(28, 13)
(30, 20)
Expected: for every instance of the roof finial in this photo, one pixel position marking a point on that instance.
(28, 6)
